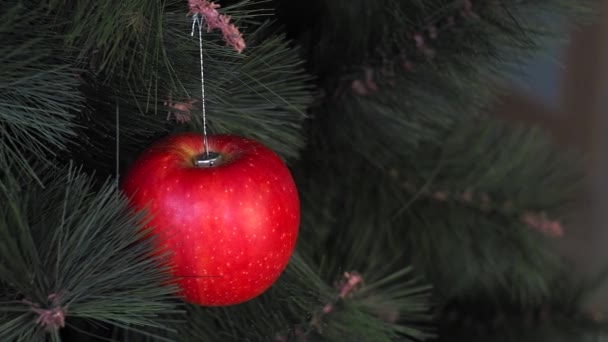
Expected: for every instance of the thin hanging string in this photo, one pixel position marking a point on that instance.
(197, 19)
(117, 144)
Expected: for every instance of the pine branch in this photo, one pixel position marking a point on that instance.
(468, 251)
(432, 97)
(477, 158)
(418, 67)
(389, 307)
(106, 34)
(285, 304)
(262, 93)
(70, 252)
(39, 93)
(392, 307)
(301, 306)
(482, 203)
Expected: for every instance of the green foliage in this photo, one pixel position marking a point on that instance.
(71, 248)
(401, 167)
(394, 306)
(262, 93)
(107, 34)
(39, 95)
(388, 138)
(287, 304)
(448, 78)
(474, 248)
(129, 61)
(510, 172)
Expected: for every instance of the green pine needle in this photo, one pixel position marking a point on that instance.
(262, 94)
(370, 42)
(39, 93)
(79, 250)
(392, 307)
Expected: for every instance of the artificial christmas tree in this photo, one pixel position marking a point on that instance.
(424, 217)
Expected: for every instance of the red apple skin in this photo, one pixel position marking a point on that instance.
(230, 228)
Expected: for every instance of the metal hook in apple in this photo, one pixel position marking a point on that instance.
(208, 159)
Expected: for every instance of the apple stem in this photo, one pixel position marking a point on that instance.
(208, 159)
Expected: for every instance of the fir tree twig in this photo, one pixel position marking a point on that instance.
(71, 252)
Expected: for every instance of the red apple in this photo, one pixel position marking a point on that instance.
(231, 227)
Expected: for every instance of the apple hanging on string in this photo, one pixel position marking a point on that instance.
(229, 218)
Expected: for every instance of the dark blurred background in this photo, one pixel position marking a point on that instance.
(566, 91)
